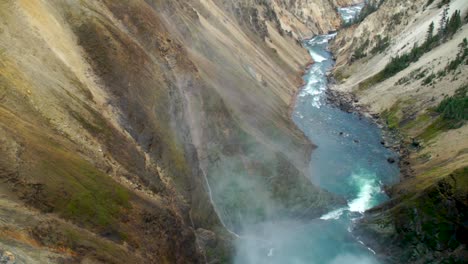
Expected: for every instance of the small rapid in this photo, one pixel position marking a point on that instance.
(349, 161)
(349, 13)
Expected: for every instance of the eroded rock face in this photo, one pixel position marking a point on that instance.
(427, 227)
(113, 113)
(306, 18)
(376, 32)
(299, 19)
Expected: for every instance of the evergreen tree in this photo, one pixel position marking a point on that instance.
(430, 32)
(429, 36)
(443, 23)
(454, 23)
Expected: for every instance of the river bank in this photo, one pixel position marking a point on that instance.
(425, 219)
(391, 138)
(349, 161)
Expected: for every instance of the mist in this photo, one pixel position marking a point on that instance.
(281, 215)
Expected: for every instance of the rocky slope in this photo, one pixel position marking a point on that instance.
(426, 219)
(114, 115)
(304, 19)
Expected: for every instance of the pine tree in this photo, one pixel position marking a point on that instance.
(443, 23)
(430, 35)
(454, 23)
(463, 52)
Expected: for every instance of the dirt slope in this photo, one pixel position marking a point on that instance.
(113, 113)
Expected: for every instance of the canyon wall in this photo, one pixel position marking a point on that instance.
(115, 115)
(426, 219)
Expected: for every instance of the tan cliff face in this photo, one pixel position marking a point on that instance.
(307, 18)
(424, 221)
(390, 19)
(114, 114)
(299, 19)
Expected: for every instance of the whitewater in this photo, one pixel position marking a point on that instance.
(349, 161)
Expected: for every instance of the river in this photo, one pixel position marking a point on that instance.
(349, 161)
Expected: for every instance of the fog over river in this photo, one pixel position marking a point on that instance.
(349, 161)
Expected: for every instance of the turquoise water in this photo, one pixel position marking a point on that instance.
(349, 161)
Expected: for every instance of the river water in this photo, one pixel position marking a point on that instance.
(349, 161)
(350, 12)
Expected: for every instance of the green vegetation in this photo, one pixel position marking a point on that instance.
(432, 217)
(430, 34)
(220, 256)
(397, 64)
(59, 180)
(80, 192)
(418, 122)
(369, 82)
(360, 52)
(61, 235)
(453, 114)
(460, 59)
(455, 108)
(382, 44)
(429, 79)
(400, 63)
(415, 74)
(340, 74)
(451, 25)
(442, 3)
(429, 2)
(392, 116)
(396, 19)
(448, 28)
(438, 126)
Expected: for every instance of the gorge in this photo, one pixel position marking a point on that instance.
(181, 131)
(349, 161)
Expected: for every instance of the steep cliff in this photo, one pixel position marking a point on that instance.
(413, 75)
(115, 115)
